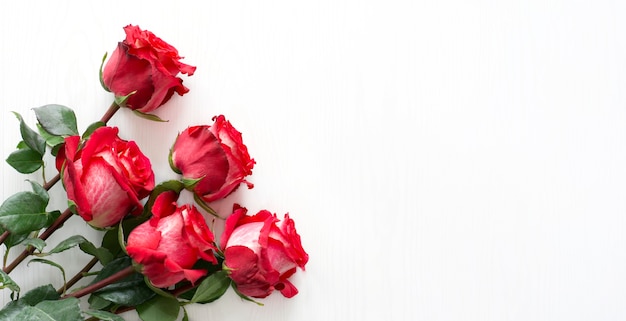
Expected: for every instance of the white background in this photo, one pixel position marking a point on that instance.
(443, 160)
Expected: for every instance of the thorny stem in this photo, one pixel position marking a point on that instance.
(128, 271)
(78, 276)
(110, 112)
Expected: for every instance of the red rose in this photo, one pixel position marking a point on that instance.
(105, 177)
(171, 242)
(147, 65)
(262, 252)
(214, 154)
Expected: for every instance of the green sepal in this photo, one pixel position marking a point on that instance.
(104, 58)
(147, 116)
(204, 205)
(121, 100)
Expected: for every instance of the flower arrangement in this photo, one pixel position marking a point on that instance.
(156, 254)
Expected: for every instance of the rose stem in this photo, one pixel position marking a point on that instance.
(29, 250)
(128, 271)
(78, 276)
(47, 186)
(110, 112)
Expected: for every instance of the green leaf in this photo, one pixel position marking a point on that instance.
(32, 297)
(185, 316)
(151, 117)
(15, 239)
(57, 120)
(68, 243)
(130, 291)
(39, 190)
(103, 315)
(24, 212)
(8, 283)
(103, 255)
(98, 303)
(38, 294)
(110, 242)
(104, 58)
(25, 161)
(92, 128)
(37, 243)
(51, 140)
(51, 263)
(59, 310)
(30, 137)
(159, 309)
(212, 288)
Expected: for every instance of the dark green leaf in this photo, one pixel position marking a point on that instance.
(30, 137)
(92, 128)
(24, 212)
(32, 297)
(212, 288)
(15, 239)
(104, 316)
(151, 117)
(59, 310)
(159, 309)
(57, 120)
(37, 243)
(7, 282)
(25, 161)
(98, 303)
(39, 190)
(51, 140)
(130, 291)
(103, 255)
(68, 243)
(38, 294)
(111, 243)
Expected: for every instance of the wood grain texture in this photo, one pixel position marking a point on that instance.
(443, 160)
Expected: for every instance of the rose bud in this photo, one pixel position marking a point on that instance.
(105, 177)
(146, 65)
(169, 244)
(215, 156)
(262, 252)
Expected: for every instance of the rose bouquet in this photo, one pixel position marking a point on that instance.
(156, 254)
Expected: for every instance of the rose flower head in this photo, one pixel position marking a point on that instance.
(213, 155)
(261, 252)
(169, 244)
(147, 67)
(105, 176)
